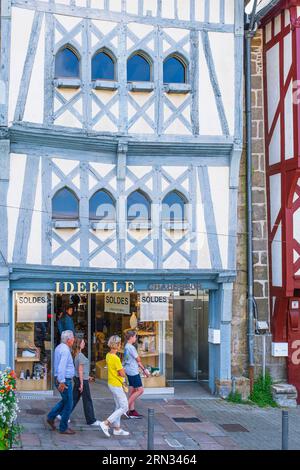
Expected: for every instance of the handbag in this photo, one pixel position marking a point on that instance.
(125, 387)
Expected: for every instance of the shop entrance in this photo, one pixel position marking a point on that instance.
(190, 345)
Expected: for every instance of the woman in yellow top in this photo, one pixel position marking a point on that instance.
(116, 377)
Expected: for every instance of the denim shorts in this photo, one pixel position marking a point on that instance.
(135, 381)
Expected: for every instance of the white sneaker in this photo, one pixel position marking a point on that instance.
(96, 423)
(121, 432)
(104, 428)
(59, 417)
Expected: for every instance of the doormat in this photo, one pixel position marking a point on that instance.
(35, 411)
(234, 428)
(187, 420)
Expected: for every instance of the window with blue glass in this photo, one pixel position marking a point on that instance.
(103, 66)
(102, 207)
(138, 68)
(65, 205)
(174, 70)
(67, 63)
(138, 207)
(174, 207)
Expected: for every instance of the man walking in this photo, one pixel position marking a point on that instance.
(63, 375)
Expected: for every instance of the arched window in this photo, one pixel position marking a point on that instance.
(173, 207)
(65, 205)
(103, 66)
(102, 206)
(138, 207)
(138, 68)
(66, 63)
(174, 70)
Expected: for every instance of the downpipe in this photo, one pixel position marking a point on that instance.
(250, 30)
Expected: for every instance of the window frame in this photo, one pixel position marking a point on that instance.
(113, 58)
(134, 224)
(149, 61)
(176, 224)
(77, 55)
(65, 222)
(97, 223)
(182, 60)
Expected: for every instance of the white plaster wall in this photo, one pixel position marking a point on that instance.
(34, 254)
(268, 31)
(277, 24)
(203, 255)
(34, 109)
(199, 10)
(150, 5)
(214, 11)
(289, 123)
(14, 196)
(229, 11)
(65, 165)
(66, 259)
(287, 54)
(219, 186)
(21, 23)
(176, 261)
(139, 260)
(68, 22)
(287, 17)
(132, 6)
(274, 147)
(276, 250)
(275, 197)
(209, 117)
(225, 69)
(273, 82)
(103, 260)
(296, 225)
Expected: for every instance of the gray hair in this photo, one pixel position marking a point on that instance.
(66, 335)
(114, 341)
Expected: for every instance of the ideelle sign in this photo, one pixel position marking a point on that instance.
(93, 287)
(117, 303)
(31, 307)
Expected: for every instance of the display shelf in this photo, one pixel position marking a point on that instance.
(31, 385)
(27, 359)
(155, 354)
(146, 333)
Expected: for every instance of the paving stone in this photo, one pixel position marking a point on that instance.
(201, 437)
(207, 446)
(210, 429)
(30, 440)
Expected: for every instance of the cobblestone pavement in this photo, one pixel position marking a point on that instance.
(261, 427)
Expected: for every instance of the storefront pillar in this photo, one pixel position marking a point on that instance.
(220, 340)
(5, 324)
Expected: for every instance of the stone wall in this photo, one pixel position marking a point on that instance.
(277, 366)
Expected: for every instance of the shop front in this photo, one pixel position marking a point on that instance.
(173, 321)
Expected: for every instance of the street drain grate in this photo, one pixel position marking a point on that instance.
(234, 428)
(35, 411)
(187, 420)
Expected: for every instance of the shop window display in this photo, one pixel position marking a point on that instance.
(150, 342)
(33, 341)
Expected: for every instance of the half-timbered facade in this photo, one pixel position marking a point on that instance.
(67, 130)
(281, 100)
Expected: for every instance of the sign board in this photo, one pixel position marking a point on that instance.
(280, 349)
(117, 303)
(154, 306)
(214, 336)
(31, 307)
